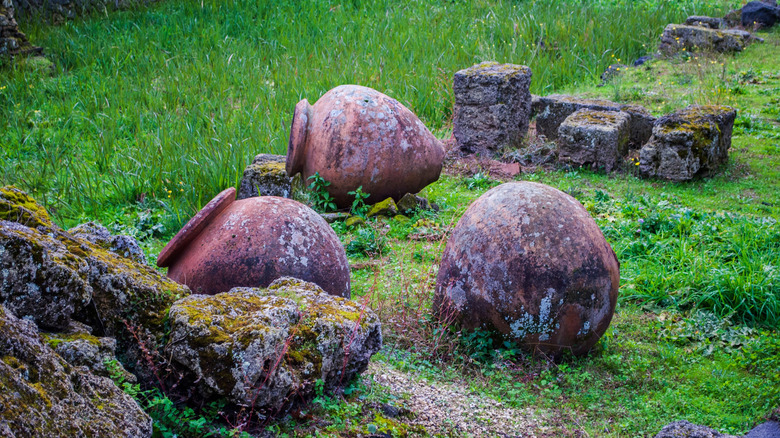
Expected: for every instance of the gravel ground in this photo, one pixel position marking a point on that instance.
(451, 409)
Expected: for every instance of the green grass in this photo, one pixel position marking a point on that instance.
(188, 92)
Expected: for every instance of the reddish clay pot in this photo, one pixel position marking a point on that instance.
(252, 242)
(528, 261)
(355, 136)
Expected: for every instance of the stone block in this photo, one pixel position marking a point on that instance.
(688, 143)
(596, 138)
(552, 110)
(492, 107)
(761, 14)
(266, 176)
(679, 37)
(704, 21)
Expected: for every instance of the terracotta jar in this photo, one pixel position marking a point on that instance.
(356, 136)
(252, 242)
(528, 262)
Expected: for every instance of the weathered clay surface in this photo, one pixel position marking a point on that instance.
(52, 277)
(355, 136)
(12, 41)
(596, 138)
(528, 261)
(122, 245)
(677, 37)
(492, 107)
(43, 396)
(266, 176)
(267, 347)
(688, 143)
(704, 21)
(254, 241)
(685, 429)
(552, 110)
(758, 13)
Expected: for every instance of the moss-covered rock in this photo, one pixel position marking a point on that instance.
(122, 245)
(266, 176)
(267, 347)
(353, 221)
(689, 143)
(79, 348)
(43, 396)
(386, 208)
(681, 38)
(596, 138)
(12, 41)
(53, 277)
(411, 203)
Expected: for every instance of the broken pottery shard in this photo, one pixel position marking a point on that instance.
(529, 263)
(252, 242)
(688, 143)
(358, 137)
(266, 348)
(492, 107)
(596, 138)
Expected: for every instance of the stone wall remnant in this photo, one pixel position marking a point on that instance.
(679, 37)
(265, 176)
(688, 143)
(596, 138)
(492, 107)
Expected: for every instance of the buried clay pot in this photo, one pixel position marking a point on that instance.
(356, 136)
(251, 243)
(528, 261)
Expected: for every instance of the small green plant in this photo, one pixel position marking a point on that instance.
(480, 180)
(359, 207)
(320, 198)
(368, 241)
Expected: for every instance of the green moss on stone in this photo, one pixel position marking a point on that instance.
(18, 206)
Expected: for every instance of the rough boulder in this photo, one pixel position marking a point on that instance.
(42, 395)
(266, 348)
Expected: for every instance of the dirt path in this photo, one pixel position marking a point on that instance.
(451, 409)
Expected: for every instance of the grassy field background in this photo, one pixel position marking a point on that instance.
(176, 99)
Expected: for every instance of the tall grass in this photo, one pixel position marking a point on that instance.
(169, 103)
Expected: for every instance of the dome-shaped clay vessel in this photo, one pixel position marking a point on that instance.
(252, 242)
(356, 136)
(528, 261)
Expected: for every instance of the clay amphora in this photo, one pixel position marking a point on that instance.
(527, 261)
(356, 136)
(252, 242)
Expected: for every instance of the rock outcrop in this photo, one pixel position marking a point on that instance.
(42, 395)
(688, 143)
(679, 37)
(122, 245)
(266, 176)
(54, 278)
(492, 107)
(759, 14)
(12, 41)
(265, 348)
(596, 138)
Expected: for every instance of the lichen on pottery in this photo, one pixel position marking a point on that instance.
(252, 242)
(527, 262)
(354, 137)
